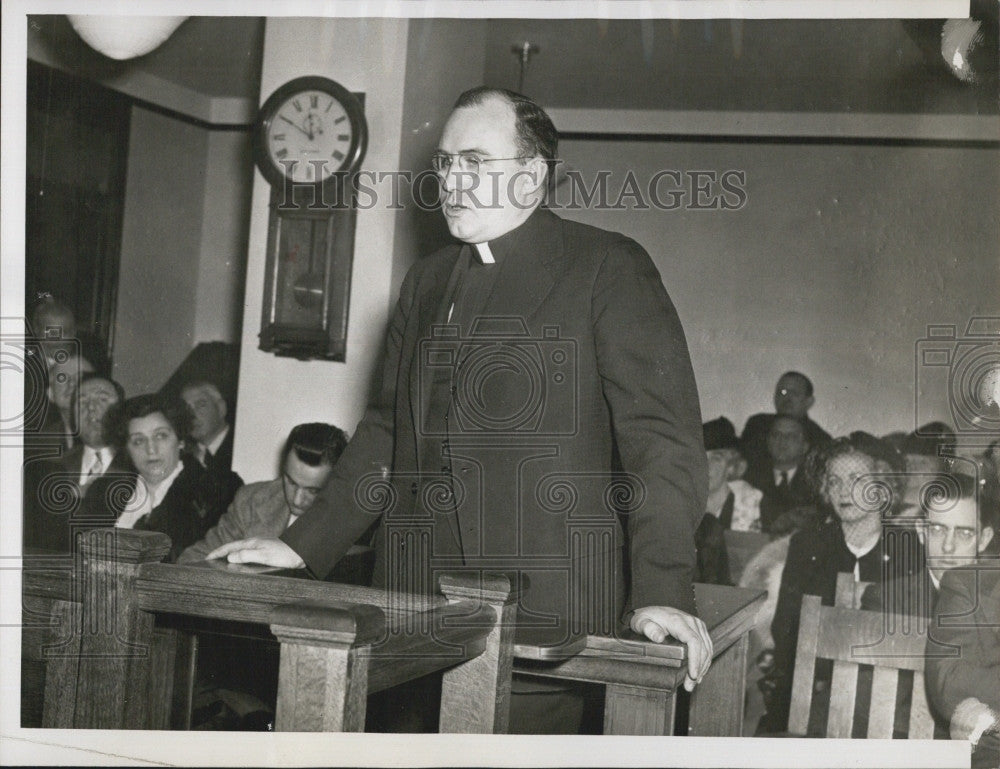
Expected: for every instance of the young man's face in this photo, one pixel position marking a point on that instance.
(480, 207)
(302, 482)
(952, 536)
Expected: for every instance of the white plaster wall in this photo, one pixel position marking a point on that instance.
(161, 247)
(444, 58)
(223, 248)
(275, 393)
(840, 259)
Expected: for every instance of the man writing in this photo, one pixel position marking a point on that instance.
(526, 367)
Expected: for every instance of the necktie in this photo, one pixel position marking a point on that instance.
(784, 480)
(96, 468)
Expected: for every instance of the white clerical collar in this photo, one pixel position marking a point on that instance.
(214, 444)
(485, 254)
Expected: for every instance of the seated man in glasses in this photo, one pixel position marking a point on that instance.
(957, 529)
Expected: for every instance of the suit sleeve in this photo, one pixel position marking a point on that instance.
(232, 526)
(337, 518)
(649, 386)
(962, 617)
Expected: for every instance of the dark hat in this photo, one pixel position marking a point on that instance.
(933, 439)
(720, 434)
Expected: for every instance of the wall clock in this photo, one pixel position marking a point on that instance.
(309, 139)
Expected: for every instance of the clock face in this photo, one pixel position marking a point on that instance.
(309, 130)
(310, 136)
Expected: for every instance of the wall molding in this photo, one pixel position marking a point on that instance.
(790, 125)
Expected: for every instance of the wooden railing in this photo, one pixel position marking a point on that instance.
(108, 666)
(338, 642)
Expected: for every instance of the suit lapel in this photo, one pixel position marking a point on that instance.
(529, 271)
(433, 296)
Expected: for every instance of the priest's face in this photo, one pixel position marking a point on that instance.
(487, 190)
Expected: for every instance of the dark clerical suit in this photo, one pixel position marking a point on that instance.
(558, 401)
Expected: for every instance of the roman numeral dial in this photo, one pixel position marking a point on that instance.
(310, 129)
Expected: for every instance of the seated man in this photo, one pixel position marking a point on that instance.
(46, 523)
(267, 508)
(965, 688)
(782, 483)
(793, 396)
(957, 528)
(209, 428)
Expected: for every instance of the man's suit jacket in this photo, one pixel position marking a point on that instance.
(55, 504)
(608, 368)
(777, 501)
(968, 616)
(222, 460)
(257, 510)
(753, 443)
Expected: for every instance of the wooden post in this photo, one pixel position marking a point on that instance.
(323, 673)
(115, 636)
(717, 702)
(634, 710)
(475, 695)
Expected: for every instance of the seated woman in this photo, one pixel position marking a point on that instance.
(171, 493)
(850, 478)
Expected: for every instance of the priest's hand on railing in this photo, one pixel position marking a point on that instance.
(269, 551)
(657, 622)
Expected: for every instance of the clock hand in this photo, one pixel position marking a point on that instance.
(307, 134)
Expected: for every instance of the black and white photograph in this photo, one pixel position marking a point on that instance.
(503, 383)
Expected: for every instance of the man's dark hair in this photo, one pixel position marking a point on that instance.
(801, 377)
(315, 443)
(790, 418)
(174, 410)
(944, 489)
(536, 135)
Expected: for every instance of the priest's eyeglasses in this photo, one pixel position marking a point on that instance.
(467, 162)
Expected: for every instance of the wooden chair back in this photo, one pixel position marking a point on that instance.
(741, 546)
(851, 638)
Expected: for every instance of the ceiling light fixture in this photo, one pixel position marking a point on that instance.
(125, 37)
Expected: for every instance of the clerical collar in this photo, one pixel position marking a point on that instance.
(485, 253)
(496, 250)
